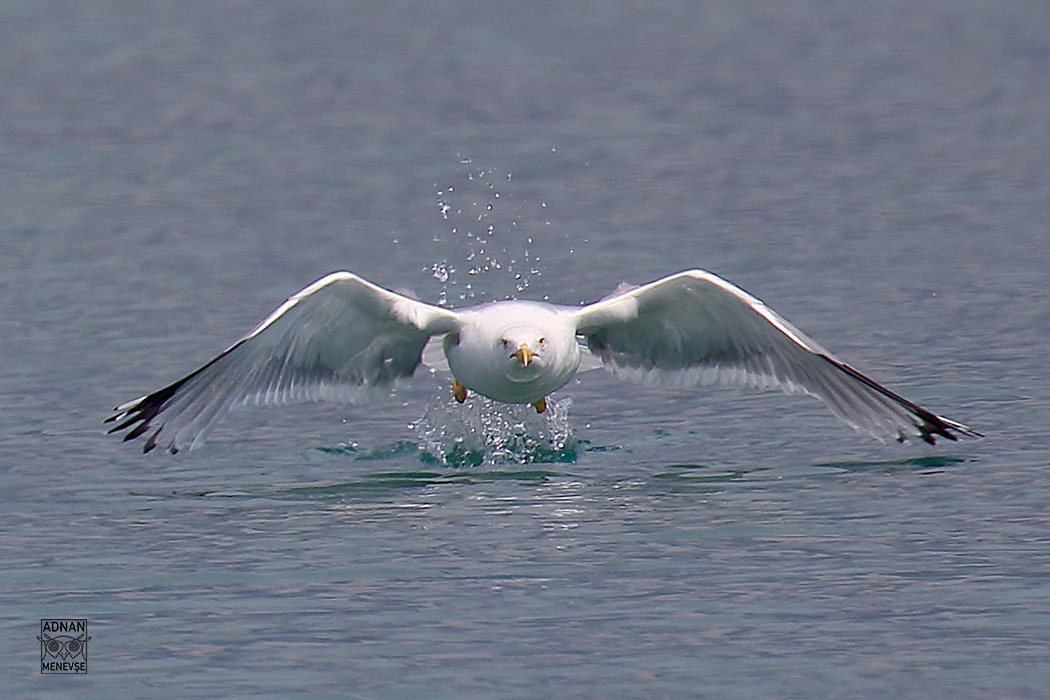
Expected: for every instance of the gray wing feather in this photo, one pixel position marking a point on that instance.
(696, 328)
(340, 339)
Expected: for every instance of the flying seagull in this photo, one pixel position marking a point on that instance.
(343, 337)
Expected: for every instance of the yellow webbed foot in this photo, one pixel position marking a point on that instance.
(459, 391)
(540, 405)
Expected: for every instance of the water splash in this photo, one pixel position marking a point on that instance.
(482, 431)
(493, 229)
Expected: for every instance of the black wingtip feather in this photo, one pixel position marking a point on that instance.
(151, 442)
(138, 430)
(931, 424)
(139, 415)
(148, 407)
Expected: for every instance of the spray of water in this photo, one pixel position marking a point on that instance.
(482, 431)
(492, 247)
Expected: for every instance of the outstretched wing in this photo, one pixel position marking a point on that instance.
(333, 341)
(695, 327)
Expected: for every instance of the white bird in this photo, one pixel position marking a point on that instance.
(342, 337)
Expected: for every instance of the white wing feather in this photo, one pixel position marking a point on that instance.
(696, 328)
(338, 339)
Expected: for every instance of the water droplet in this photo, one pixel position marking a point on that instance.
(441, 271)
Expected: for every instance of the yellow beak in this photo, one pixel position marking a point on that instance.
(524, 354)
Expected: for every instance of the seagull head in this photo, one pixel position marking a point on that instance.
(523, 350)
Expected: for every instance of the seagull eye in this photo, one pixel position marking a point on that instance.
(543, 341)
(506, 343)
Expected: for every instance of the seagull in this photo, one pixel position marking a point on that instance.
(344, 338)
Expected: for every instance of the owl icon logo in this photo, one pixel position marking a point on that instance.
(63, 646)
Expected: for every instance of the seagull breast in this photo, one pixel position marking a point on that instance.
(514, 351)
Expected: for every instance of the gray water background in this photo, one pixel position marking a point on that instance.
(877, 172)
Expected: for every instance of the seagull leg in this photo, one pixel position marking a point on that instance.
(540, 405)
(459, 391)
